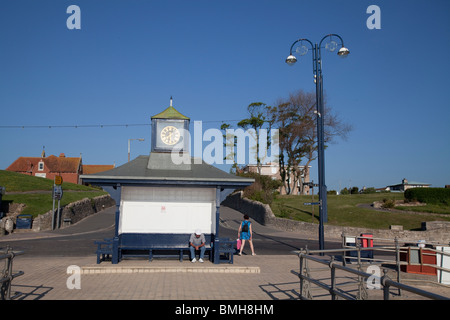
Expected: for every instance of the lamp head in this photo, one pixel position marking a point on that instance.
(343, 52)
(291, 60)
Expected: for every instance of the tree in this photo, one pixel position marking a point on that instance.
(296, 120)
(354, 190)
(257, 119)
(257, 111)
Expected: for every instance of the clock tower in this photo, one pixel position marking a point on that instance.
(162, 198)
(170, 141)
(169, 131)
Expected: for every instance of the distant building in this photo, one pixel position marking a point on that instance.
(405, 185)
(69, 168)
(273, 170)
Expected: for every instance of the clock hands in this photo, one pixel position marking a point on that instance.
(170, 135)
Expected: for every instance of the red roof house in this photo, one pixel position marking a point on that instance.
(68, 168)
(48, 167)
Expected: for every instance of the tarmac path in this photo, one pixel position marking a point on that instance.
(78, 239)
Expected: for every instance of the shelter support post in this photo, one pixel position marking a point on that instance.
(216, 236)
(115, 193)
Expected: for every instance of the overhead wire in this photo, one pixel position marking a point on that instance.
(92, 125)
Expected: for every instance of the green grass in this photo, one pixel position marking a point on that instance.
(430, 208)
(17, 182)
(37, 204)
(35, 200)
(343, 210)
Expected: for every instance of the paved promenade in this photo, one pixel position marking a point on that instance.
(260, 277)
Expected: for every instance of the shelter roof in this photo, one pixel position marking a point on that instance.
(138, 172)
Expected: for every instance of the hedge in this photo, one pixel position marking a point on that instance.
(429, 195)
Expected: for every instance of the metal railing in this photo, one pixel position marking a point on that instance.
(422, 251)
(7, 273)
(361, 256)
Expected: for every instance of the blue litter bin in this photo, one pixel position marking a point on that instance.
(24, 221)
(350, 242)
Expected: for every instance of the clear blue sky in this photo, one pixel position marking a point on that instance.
(215, 58)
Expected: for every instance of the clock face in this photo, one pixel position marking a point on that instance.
(170, 135)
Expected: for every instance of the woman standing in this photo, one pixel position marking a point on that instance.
(245, 233)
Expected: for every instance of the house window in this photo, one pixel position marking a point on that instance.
(41, 166)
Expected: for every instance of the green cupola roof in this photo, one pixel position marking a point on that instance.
(170, 113)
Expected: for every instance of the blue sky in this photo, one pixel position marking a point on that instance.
(215, 58)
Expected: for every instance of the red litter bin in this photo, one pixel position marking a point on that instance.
(367, 243)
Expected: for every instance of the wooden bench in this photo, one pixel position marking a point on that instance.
(162, 245)
(104, 250)
(226, 250)
(158, 245)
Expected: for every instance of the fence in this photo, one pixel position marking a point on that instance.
(364, 255)
(7, 273)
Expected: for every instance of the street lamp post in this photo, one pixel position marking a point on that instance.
(318, 80)
(129, 147)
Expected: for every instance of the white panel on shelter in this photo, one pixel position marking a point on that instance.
(167, 210)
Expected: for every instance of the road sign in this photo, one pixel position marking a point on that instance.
(58, 180)
(311, 203)
(57, 192)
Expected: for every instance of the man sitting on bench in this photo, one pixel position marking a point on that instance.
(197, 242)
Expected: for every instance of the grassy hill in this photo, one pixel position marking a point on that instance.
(355, 211)
(36, 193)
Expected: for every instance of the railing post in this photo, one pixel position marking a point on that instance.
(300, 255)
(385, 285)
(304, 286)
(397, 261)
(344, 263)
(360, 279)
(7, 274)
(358, 252)
(333, 279)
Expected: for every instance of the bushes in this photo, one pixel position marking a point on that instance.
(353, 190)
(262, 189)
(388, 203)
(428, 195)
